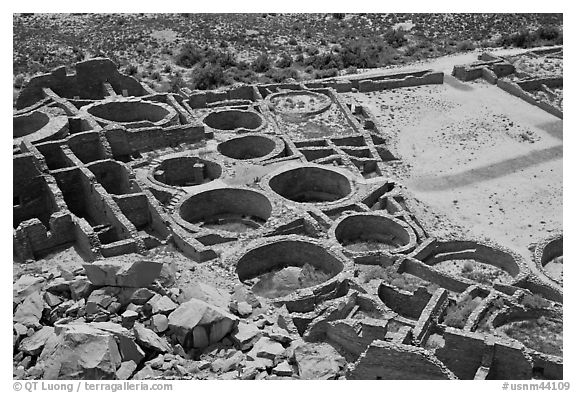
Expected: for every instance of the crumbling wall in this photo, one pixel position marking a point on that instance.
(368, 85)
(405, 303)
(86, 83)
(517, 91)
(462, 352)
(384, 360)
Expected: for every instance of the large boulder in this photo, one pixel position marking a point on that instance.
(29, 311)
(318, 361)
(118, 272)
(197, 324)
(33, 345)
(206, 293)
(80, 351)
(25, 286)
(150, 340)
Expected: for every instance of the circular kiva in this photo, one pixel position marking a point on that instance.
(186, 171)
(369, 232)
(234, 120)
(282, 265)
(225, 209)
(529, 326)
(478, 262)
(311, 184)
(299, 103)
(550, 256)
(251, 147)
(132, 113)
(38, 126)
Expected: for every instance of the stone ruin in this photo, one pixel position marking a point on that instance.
(284, 187)
(540, 88)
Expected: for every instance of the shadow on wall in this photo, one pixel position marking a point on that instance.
(455, 83)
(488, 172)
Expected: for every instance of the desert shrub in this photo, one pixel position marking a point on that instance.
(208, 77)
(351, 70)
(19, 81)
(374, 273)
(156, 76)
(466, 46)
(131, 70)
(312, 50)
(411, 50)
(395, 38)
(223, 59)
(280, 75)
(299, 59)
(329, 73)
(292, 41)
(435, 341)
(244, 75)
(550, 33)
(324, 61)
(167, 68)
(338, 16)
(522, 39)
(176, 83)
(284, 61)
(458, 313)
(323, 42)
(261, 63)
(535, 301)
(188, 56)
(468, 267)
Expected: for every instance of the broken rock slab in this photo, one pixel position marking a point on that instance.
(162, 304)
(150, 340)
(25, 286)
(29, 311)
(206, 293)
(197, 324)
(266, 348)
(120, 272)
(80, 351)
(126, 370)
(245, 335)
(33, 345)
(318, 361)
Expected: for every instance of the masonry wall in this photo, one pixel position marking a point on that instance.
(87, 146)
(405, 303)
(384, 360)
(408, 81)
(517, 91)
(462, 352)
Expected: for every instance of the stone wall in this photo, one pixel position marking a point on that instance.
(383, 360)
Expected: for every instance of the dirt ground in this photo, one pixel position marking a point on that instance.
(476, 157)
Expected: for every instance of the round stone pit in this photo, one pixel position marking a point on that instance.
(185, 171)
(235, 120)
(298, 104)
(369, 233)
(39, 126)
(132, 113)
(235, 210)
(251, 147)
(311, 184)
(281, 266)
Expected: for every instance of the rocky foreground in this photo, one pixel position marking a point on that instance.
(119, 319)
